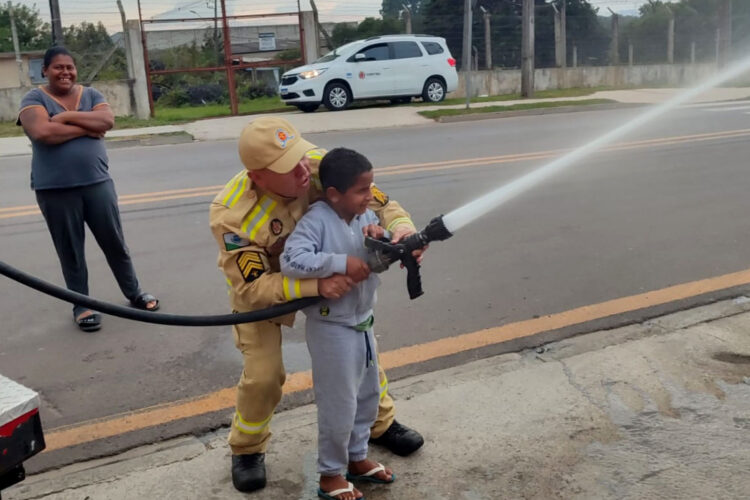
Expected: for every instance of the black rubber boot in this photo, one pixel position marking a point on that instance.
(249, 472)
(399, 439)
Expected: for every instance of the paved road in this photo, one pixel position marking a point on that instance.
(641, 218)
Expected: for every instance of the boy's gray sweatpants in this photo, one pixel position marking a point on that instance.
(346, 392)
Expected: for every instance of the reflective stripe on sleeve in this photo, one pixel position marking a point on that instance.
(251, 427)
(240, 192)
(235, 183)
(291, 289)
(259, 215)
(314, 154)
(400, 220)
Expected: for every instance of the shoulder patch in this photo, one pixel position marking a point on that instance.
(233, 241)
(251, 265)
(379, 196)
(276, 227)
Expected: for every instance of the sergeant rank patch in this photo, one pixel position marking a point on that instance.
(379, 196)
(251, 265)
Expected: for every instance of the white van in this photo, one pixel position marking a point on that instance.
(396, 67)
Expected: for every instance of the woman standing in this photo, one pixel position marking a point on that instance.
(66, 123)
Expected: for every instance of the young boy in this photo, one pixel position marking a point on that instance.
(329, 240)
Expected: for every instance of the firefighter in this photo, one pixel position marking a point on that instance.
(250, 220)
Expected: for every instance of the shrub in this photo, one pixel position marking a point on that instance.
(205, 93)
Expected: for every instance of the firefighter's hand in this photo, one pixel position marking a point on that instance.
(373, 231)
(335, 287)
(401, 232)
(357, 269)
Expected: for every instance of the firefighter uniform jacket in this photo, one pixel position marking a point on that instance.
(251, 226)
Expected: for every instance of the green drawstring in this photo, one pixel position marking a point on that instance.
(364, 327)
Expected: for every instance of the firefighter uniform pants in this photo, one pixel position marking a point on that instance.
(259, 388)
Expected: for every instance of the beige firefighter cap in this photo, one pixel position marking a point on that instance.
(272, 143)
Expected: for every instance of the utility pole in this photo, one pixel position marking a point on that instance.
(670, 38)
(487, 37)
(467, 56)
(615, 47)
(724, 37)
(228, 60)
(563, 34)
(126, 40)
(527, 49)
(692, 52)
(329, 41)
(23, 77)
(407, 18)
(630, 53)
(57, 34)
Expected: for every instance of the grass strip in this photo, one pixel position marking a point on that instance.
(514, 107)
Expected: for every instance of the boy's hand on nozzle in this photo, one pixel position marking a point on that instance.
(357, 269)
(374, 231)
(335, 287)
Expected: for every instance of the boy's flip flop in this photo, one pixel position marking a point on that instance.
(369, 476)
(331, 495)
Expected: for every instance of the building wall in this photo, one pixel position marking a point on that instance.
(498, 82)
(117, 94)
(240, 35)
(9, 74)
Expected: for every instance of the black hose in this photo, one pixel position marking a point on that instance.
(153, 317)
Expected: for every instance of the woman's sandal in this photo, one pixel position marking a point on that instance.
(331, 495)
(369, 476)
(142, 300)
(90, 323)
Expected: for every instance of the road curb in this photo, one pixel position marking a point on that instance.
(535, 112)
(150, 140)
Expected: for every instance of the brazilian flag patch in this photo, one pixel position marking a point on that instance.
(324, 311)
(251, 265)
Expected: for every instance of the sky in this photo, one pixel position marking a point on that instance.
(106, 11)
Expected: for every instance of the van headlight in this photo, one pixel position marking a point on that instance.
(313, 73)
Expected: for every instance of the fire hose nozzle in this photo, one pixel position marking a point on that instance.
(383, 253)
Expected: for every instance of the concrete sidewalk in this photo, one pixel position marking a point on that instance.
(229, 128)
(653, 410)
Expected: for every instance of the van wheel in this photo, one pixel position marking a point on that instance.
(307, 108)
(336, 96)
(434, 90)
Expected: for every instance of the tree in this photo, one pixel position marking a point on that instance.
(33, 34)
(394, 9)
(695, 21)
(445, 18)
(344, 33)
(89, 43)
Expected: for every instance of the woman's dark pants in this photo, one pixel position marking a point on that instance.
(65, 211)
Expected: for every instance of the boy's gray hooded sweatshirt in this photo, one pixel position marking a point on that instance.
(318, 247)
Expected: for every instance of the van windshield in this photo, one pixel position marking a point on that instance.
(334, 54)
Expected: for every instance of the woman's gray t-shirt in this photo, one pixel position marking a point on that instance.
(78, 162)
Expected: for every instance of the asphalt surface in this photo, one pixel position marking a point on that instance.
(618, 224)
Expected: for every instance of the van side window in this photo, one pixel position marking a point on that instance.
(377, 52)
(432, 48)
(405, 50)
